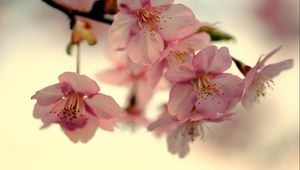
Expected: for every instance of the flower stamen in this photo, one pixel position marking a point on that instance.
(180, 56)
(261, 88)
(149, 18)
(70, 114)
(206, 87)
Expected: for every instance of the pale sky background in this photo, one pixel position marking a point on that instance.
(33, 38)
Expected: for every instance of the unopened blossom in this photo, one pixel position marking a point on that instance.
(76, 105)
(82, 31)
(204, 85)
(259, 78)
(143, 26)
(180, 133)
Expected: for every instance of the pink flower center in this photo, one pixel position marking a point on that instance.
(180, 57)
(149, 18)
(71, 114)
(205, 87)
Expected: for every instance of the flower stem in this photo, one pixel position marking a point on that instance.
(78, 59)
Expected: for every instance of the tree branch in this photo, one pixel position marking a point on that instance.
(96, 13)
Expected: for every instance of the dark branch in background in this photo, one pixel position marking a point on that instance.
(97, 12)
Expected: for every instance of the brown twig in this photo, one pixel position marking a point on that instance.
(97, 12)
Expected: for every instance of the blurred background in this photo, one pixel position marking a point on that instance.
(33, 38)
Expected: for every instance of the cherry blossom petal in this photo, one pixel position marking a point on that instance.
(134, 68)
(118, 58)
(180, 74)
(107, 124)
(161, 122)
(181, 99)
(160, 2)
(155, 73)
(249, 97)
(48, 95)
(114, 76)
(231, 85)
(194, 42)
(85, 133)
(167, 50)
(144, 93)
(202, 60)
(264, 59)
(273, 70)
(43, 113)
(210, 107)
(212, 60)
(129, 5)
(250, 77)
(145, 47)
(138, 119)
(103, 106)
(179, 22)
(178, 143)
(221, 118)
(120, 30)
(79, 83)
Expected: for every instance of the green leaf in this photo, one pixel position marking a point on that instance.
(216, 34)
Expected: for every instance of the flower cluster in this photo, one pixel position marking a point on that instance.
(161, 45)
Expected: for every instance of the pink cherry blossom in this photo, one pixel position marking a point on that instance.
(204, 86)
(180, 133)
(259, 78)
(75, 104)
(142, 26)
(183, 50)
(177, 53)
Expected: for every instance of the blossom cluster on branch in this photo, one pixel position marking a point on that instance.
(157, 44)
